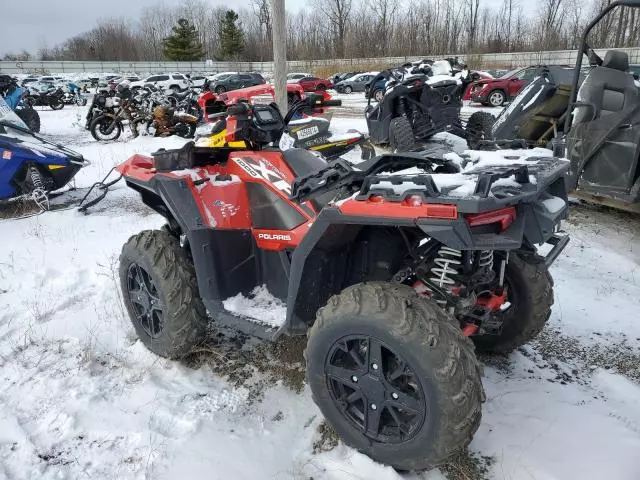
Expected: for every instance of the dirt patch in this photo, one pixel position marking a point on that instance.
(18, 209)
(328, 438)
(251, 363)
(556, 348)
(468, 466)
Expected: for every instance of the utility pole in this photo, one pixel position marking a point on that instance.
(279, 35)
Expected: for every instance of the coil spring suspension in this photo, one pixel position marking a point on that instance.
(486, 259)
(38, 194)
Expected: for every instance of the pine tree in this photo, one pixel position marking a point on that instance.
(183, 45)
(231, 37)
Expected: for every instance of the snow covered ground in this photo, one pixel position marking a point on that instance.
(81, 398)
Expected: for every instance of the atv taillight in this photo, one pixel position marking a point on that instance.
(504, 217)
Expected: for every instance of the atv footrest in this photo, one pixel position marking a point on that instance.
(559, 243)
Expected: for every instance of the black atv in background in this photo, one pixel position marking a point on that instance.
(417, 106)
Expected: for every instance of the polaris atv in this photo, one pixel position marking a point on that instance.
(304, 128)
(393, 277)
(599, 133)
(415, 107)
(31, 166)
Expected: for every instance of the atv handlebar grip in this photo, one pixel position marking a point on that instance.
(217, 115)
(332, 103)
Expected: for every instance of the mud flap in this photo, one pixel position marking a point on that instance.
(368, 152)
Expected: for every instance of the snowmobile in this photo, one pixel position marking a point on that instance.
(417, 106)
(303, 130)
(14, 96)
(392, 276)
(593, 119)
(31, 166)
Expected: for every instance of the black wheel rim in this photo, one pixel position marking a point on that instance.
(375, 389)
(145, 298)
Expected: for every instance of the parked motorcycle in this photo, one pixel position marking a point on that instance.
(53, 97)
(165, 121)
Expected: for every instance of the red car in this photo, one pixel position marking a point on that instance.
(500, 90)
(483, 76)
(313, 84)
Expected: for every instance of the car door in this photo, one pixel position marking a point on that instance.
(520, 80)
(362, 81)
(307, 83)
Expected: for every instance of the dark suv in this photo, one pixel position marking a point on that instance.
(234, 82)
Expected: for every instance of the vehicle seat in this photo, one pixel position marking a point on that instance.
(302, 162)
(181, 95)
(610, 88)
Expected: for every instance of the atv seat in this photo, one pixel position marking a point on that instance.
(181, 95)
(302, 162)
(609, 88)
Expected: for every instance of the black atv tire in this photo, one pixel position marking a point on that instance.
(433, 353)
(30, 117)
(401, 137)
(479, 127)
(530, 291)
(496, 98)
(56, 104)
(172, 274)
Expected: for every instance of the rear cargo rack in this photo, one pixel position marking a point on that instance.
(371, 179)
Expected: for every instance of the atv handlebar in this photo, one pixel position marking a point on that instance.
(330, 103)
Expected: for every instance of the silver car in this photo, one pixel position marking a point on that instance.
(355, 83)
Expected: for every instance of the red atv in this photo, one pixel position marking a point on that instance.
(393, 279)
(212, 103)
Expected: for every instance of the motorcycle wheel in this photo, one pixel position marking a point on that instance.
(105, 129)
(81, 101)
(185, 130)
(56, 104)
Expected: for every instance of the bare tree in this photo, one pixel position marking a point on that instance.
(338, 12)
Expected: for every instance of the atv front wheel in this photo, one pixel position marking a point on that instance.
(530, 293)
(401, 137)
(160, 292)
(394, 376)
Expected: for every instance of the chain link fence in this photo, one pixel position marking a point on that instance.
(476, 61)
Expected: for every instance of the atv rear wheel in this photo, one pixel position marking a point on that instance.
(530, 292)
(394, 375)
(401, 137)
(496, 98)
(160, 292)
(479, 127)
(30, 117)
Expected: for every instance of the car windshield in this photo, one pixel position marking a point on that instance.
(509, 74)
